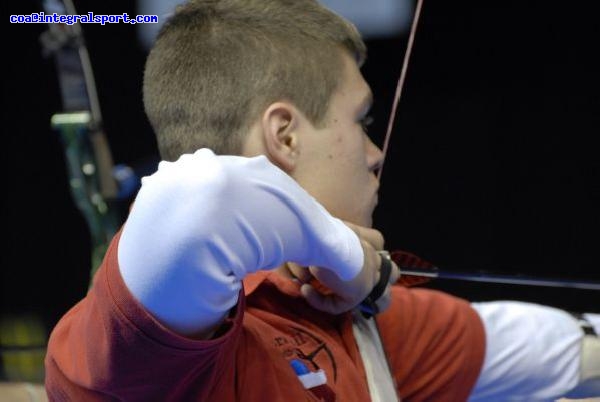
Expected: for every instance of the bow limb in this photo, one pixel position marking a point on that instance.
(80, 100)
(88, 157)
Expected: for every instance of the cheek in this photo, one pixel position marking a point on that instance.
(349, 173)
(351, 148)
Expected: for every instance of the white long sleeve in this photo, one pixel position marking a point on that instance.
(533, 352)
(201, 224)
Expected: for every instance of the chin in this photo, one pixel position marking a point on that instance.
(360, 217)
(367, 222)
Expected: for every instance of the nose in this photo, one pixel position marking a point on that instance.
(374, 155)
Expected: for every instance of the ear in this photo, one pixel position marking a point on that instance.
(280, 123)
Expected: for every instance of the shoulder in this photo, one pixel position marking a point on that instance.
(432, 338)
(430, 310)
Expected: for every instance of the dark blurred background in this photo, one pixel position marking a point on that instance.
(492, 165)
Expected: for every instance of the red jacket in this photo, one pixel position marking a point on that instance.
(108, 347)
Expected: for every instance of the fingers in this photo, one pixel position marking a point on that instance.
(348, 295)
(299, 272)
(331, 303)
(332, 295)
(341, 296)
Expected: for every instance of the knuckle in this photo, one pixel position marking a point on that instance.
(378, 240)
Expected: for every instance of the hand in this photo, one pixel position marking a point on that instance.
(335, 296)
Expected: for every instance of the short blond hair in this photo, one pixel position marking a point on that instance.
(217, 64)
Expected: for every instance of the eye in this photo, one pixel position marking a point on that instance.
(365, 122)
